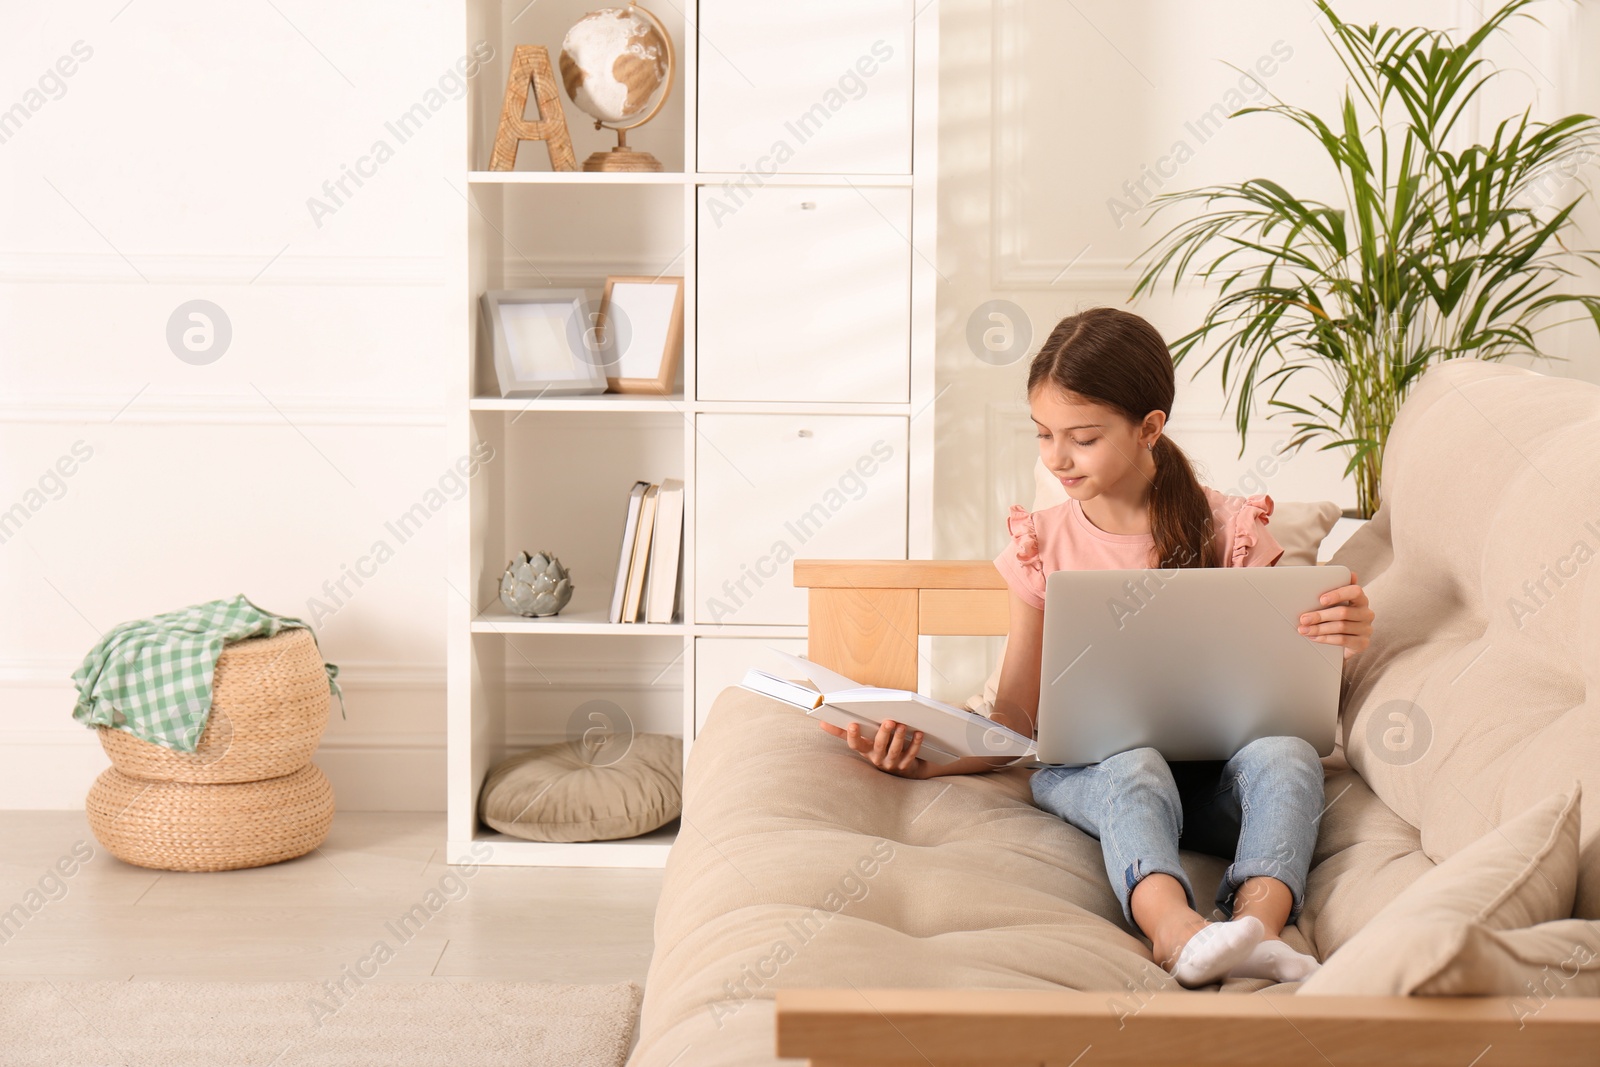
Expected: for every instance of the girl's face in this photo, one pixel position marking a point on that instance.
(1089, 447)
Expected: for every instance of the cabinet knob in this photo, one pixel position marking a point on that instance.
(808, 205)
(805, 433)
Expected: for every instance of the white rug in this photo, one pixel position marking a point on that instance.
(395, 1022)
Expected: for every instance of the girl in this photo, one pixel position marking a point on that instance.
(1100, 392)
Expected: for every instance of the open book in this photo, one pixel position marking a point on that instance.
(948, 732)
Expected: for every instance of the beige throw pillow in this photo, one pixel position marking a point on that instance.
(1471, 924)
(1299, 527)
(1554, 959)
(571, 791)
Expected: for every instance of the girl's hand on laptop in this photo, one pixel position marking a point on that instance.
(894, 749)
(1346, 620)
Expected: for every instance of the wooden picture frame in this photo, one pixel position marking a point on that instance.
(539, 337)
(652, 340)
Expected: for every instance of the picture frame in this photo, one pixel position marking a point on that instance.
(542, 342)
(649, 312)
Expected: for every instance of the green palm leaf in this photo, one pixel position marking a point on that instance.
(1436, 252)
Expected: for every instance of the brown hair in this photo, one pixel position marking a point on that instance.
(1115, 358)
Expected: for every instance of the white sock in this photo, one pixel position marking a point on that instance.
(1216, 948)
(1274, 959)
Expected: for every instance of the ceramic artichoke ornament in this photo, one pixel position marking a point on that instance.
(535, 585)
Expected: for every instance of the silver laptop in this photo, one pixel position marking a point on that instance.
(1195, 663)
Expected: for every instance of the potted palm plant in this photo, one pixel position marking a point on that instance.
(1439, 250)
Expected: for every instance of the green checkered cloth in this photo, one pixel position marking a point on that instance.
(152, 677)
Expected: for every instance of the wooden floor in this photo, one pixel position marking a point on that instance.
(314, 916)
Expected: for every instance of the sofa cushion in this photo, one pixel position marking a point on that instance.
(1428, 939)
(798, 863)
(1554, 959)
(1366, 855)
(1480, 692)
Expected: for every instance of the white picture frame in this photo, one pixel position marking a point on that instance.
(542, 341)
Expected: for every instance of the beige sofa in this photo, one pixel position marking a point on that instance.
(801, 867)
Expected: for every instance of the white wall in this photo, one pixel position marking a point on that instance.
(176, 163)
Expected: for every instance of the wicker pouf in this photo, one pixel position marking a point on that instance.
(182, 826)
(269, 705)
(248, 795)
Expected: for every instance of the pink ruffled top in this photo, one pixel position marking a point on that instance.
(1062, 538)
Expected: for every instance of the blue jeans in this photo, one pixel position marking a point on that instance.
(1259, 808)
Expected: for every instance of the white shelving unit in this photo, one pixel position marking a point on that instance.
(805, 419)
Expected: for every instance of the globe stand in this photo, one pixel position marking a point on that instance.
(621, 158)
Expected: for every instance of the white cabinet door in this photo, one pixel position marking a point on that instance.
(721, 661)
(804, 293)
(771, 488)
(805, 86)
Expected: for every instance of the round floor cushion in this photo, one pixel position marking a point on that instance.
(579, 791)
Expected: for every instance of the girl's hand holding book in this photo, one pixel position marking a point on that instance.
(894, 749)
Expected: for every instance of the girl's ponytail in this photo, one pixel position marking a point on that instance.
(1180, 515)
(1113, 357)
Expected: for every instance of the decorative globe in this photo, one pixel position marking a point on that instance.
(612, 62)
(535, 585)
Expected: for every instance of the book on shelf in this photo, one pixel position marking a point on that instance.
(630, 529)
(665, 551)
(647, 586)
(948, 732)
(641, 553)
